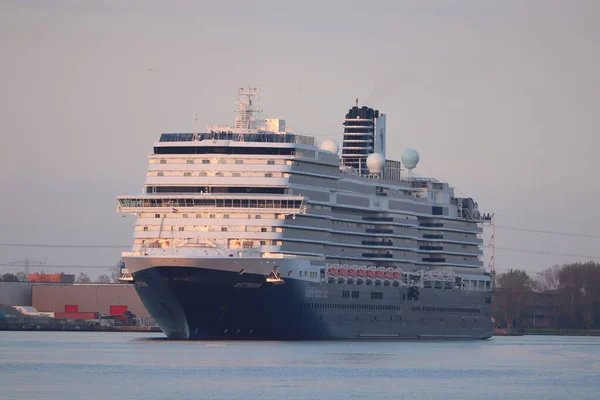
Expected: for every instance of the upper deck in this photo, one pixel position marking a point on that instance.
(237, 135)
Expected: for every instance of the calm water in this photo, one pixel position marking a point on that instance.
(76, 365)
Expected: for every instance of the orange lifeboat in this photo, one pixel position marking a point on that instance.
(370, 275)
(342, 273)
(361, 274)
(332, 270)
(388, 276)
(352, 273)
(379, 275)
(332, 273)
(397, 275)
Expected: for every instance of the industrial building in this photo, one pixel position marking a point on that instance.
(103, 298)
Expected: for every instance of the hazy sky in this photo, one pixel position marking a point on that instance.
(501, 98)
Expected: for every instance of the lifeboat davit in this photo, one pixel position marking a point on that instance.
(370, 275)
(352, 274)
(342, 273)
(388, 276)
(361, 274)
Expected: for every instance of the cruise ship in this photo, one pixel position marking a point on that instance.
(253, 231)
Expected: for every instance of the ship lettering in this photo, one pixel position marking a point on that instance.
(247, 285)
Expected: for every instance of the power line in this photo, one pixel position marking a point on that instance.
(549, 253)
(67, 246)
(61, 266)
(582, 235)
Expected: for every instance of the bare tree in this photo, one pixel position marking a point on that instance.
(115, 272)
(103, 279)
(83, 278)
(548, 280)
(22, 276)
(8, 277)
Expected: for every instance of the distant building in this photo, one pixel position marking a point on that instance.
(15, 293)
(106, 299)
(51, 278)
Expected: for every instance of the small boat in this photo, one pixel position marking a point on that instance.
(352, 270)
(361, 274)
(342, 273)
(397, 276)
(388, 276)
(370, 275)
(379, 275)
(332, 272)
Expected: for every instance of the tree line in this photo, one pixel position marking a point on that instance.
(559, 297)
(81, 278)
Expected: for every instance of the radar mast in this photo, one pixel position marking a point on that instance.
(245, 107)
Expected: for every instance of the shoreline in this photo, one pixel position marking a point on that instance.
(546, 332)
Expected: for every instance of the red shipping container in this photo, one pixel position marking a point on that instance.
(69, 308)
(77, 315)
(118, 310)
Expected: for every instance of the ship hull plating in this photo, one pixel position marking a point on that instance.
(202, 303)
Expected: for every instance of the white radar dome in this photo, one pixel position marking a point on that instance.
(375, 163)
(410, 158)
(330, 145)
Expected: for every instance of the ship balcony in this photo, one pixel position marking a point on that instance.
(216, 181)
(189, 235)
(214, 167)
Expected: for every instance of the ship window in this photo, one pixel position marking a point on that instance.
(219, 174)
(163, 161)
(190, 161)
(145, 228)
(223, 229)
(226, 216)
(268, 175)
(263, 229)
(257, 217)
(211, 216)
(156, 215)
(160, 174)
(181, 228)
(262, 242)
(198, 215)
(205, 161)
(184, 215)
(236, 174)
(271, 162)
(222, 161)
(202, 174)
(239, 161)
(187, 174)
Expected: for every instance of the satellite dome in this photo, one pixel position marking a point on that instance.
(375, 163)
(410, 158)
(330, 145)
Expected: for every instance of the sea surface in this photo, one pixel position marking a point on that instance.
(90, 365)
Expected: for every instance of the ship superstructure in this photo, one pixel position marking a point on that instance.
(254, 231)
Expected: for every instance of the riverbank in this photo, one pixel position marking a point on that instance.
(67, 325)
(553, 332)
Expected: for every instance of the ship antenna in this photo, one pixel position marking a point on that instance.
(492, 245)
(245, 108)
(357, 102)
(196, 127)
